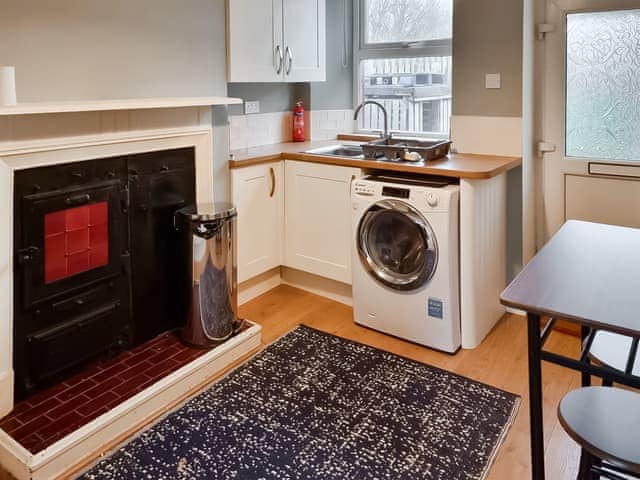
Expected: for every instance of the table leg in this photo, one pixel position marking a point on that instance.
(535, 397)
(584, 333)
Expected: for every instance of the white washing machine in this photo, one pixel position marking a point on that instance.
(405, 259)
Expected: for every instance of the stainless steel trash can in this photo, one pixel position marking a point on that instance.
(210, 231)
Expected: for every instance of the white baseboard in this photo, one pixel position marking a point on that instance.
(515, 311)
(338, 291)
(256, 286)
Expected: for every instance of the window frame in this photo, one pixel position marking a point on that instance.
(366, 51)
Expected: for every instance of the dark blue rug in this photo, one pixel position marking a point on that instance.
(315, 406)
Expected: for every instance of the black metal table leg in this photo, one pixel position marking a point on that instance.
(535, 397)
(584, 333)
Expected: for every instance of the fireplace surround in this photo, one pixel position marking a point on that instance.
(97, 268)
(33, 136)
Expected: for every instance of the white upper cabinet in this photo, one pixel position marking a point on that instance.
(276, 40)
(254, 41)
(304, 40)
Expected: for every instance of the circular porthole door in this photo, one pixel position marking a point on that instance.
(397, 245)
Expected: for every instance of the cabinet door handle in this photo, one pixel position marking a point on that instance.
(273, 181)
(289, 53)
(280, 59)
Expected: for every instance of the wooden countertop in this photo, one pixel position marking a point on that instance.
(459, 165)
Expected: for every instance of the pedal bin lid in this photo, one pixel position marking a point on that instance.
(209, 212)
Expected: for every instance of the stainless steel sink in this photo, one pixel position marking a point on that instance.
(351, 151)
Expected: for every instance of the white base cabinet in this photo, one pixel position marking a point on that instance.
(296, 214)
(318, 219)
(258, 193)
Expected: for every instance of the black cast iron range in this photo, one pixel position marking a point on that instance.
(97, 264)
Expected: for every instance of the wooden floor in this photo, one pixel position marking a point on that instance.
(501, 360)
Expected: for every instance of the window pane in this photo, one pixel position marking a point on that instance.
(415, 91)
(407, 20)
(603, 85)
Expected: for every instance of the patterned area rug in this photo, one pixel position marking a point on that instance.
(315, 406)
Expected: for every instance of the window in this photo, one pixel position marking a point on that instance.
(403, 61)
(602, 89)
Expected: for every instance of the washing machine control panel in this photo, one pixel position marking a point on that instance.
(361, 188)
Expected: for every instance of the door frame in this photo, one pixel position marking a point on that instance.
(554, 165)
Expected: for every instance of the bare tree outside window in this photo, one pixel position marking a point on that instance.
(415, 90)
(390, 21)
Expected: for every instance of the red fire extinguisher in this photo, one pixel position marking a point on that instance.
(298, 123)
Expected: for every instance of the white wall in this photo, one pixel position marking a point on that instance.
(98, 49)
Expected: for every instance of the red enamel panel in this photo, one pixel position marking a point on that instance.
(99, 256)
(56, 258)
(77, 218)
(77, 263)
(54, 223)
(76, 240)
(98, 214)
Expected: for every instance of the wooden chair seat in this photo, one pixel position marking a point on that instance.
(612, 350)
(605, 422)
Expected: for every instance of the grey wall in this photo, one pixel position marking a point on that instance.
(487, 38)
(95, 49)
(337, 92)
(273, 97)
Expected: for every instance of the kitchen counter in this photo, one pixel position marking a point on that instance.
(458, 165)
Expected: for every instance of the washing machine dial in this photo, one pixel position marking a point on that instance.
(432, 199)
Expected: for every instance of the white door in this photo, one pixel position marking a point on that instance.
(255, 52)
(304, 40)
(258, 193)
(590, 99)
(318, 219)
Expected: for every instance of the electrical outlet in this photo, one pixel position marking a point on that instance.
(251, 107)
(493, 81)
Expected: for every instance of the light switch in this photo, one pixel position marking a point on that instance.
(493, 80)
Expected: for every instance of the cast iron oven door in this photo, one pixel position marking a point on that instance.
(73, 237)
(397, 245)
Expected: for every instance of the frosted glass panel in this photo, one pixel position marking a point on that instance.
(390, 21)
(603, 85)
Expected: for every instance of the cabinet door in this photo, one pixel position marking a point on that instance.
(318, 218)
(304, 40)
(258, 195)
(254, 41)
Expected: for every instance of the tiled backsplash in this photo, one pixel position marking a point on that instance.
(326, 124)
(248, 131)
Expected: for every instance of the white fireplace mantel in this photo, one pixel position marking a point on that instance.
(106, 105)
(93, 130)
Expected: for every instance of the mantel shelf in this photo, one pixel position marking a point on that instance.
(104, 105)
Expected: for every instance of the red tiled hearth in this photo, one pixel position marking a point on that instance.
(46, 417)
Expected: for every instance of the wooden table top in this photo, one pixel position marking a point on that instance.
(588, 273)
(457, 165)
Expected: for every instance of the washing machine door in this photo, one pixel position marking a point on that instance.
(397, 245)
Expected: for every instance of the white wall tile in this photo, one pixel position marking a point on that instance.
(248, 131)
